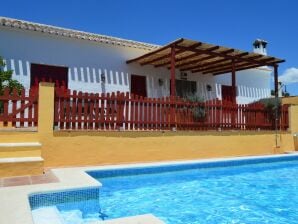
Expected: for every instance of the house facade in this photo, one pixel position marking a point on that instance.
(95, 63)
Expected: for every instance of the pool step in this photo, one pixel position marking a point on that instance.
(47, 215)
(140, 219)
(20, 149)
(21, 166)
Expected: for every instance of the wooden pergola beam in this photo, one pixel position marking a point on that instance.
(188, 57)
(219, 54)
(227, 66)
(266, 61)
(203, 57)
(216, 66)
(213, 64)
(248, 67)
(237, 69)
(155, 51)
(200, 60)
(203, 66)
(195, 55)
(169, 55)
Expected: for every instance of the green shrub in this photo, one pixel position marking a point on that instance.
(199, 112)
(271, 104)
(6, 81)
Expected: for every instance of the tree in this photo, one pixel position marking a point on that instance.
(6, 80)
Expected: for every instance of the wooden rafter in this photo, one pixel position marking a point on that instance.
(202, 57)
(201, 60)
(267, 61)
(238, 69)
(215, 65)
(155, 51)
(225, 67)
(219, 54)
(168, 55)
(188, 57)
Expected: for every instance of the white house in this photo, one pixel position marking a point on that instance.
(96, 63)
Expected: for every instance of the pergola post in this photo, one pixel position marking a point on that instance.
(275, 80)
(173, 76)
(233, 82)
(233, 93)
(173, 86)
(275, 66)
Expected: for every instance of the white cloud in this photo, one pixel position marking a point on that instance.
(289, 76)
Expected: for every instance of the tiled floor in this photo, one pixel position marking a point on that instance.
(47, 177)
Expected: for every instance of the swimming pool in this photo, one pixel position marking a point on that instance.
(234, 191)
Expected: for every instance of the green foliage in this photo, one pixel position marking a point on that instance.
(6, 80)
(271, 103)
(194, 98)
(199, 111)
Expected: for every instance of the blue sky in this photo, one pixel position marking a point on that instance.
(231, 23)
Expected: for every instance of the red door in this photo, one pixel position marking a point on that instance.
(138, 85)
(48, 73)
(227, 93)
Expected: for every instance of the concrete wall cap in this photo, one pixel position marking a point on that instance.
(21, 160)
(21, 144)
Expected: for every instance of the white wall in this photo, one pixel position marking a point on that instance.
(253, 84)
(88, 60)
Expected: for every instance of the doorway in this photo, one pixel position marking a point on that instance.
(227, 93)
(49, 73)
(138, 85)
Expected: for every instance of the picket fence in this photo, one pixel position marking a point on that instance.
(18, 108)
(124, 111)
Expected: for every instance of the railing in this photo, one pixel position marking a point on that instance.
(18, 109)
(124, 111)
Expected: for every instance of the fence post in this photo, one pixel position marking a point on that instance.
(46, 108)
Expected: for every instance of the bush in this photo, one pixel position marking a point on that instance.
(6, 81)
(199, 112)
(270, 104)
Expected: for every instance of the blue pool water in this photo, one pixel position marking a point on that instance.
(254, 193)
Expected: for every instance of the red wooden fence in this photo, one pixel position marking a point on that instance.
(114, 111)
(19, 109)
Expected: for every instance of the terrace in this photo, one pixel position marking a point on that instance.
(125, 111)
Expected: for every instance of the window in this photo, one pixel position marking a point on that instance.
(185, 88)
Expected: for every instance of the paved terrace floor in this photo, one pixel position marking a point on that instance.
(46, 178)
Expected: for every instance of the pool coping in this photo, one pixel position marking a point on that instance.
(14, 203)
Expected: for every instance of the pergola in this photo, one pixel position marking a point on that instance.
(204, 58)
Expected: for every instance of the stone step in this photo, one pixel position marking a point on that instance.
(20, 149)
(291, 152)
(20, 166)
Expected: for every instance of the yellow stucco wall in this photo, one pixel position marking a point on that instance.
(97, 148)
(84, 149)
(92, 148)
(293, 121)
(293, 100)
